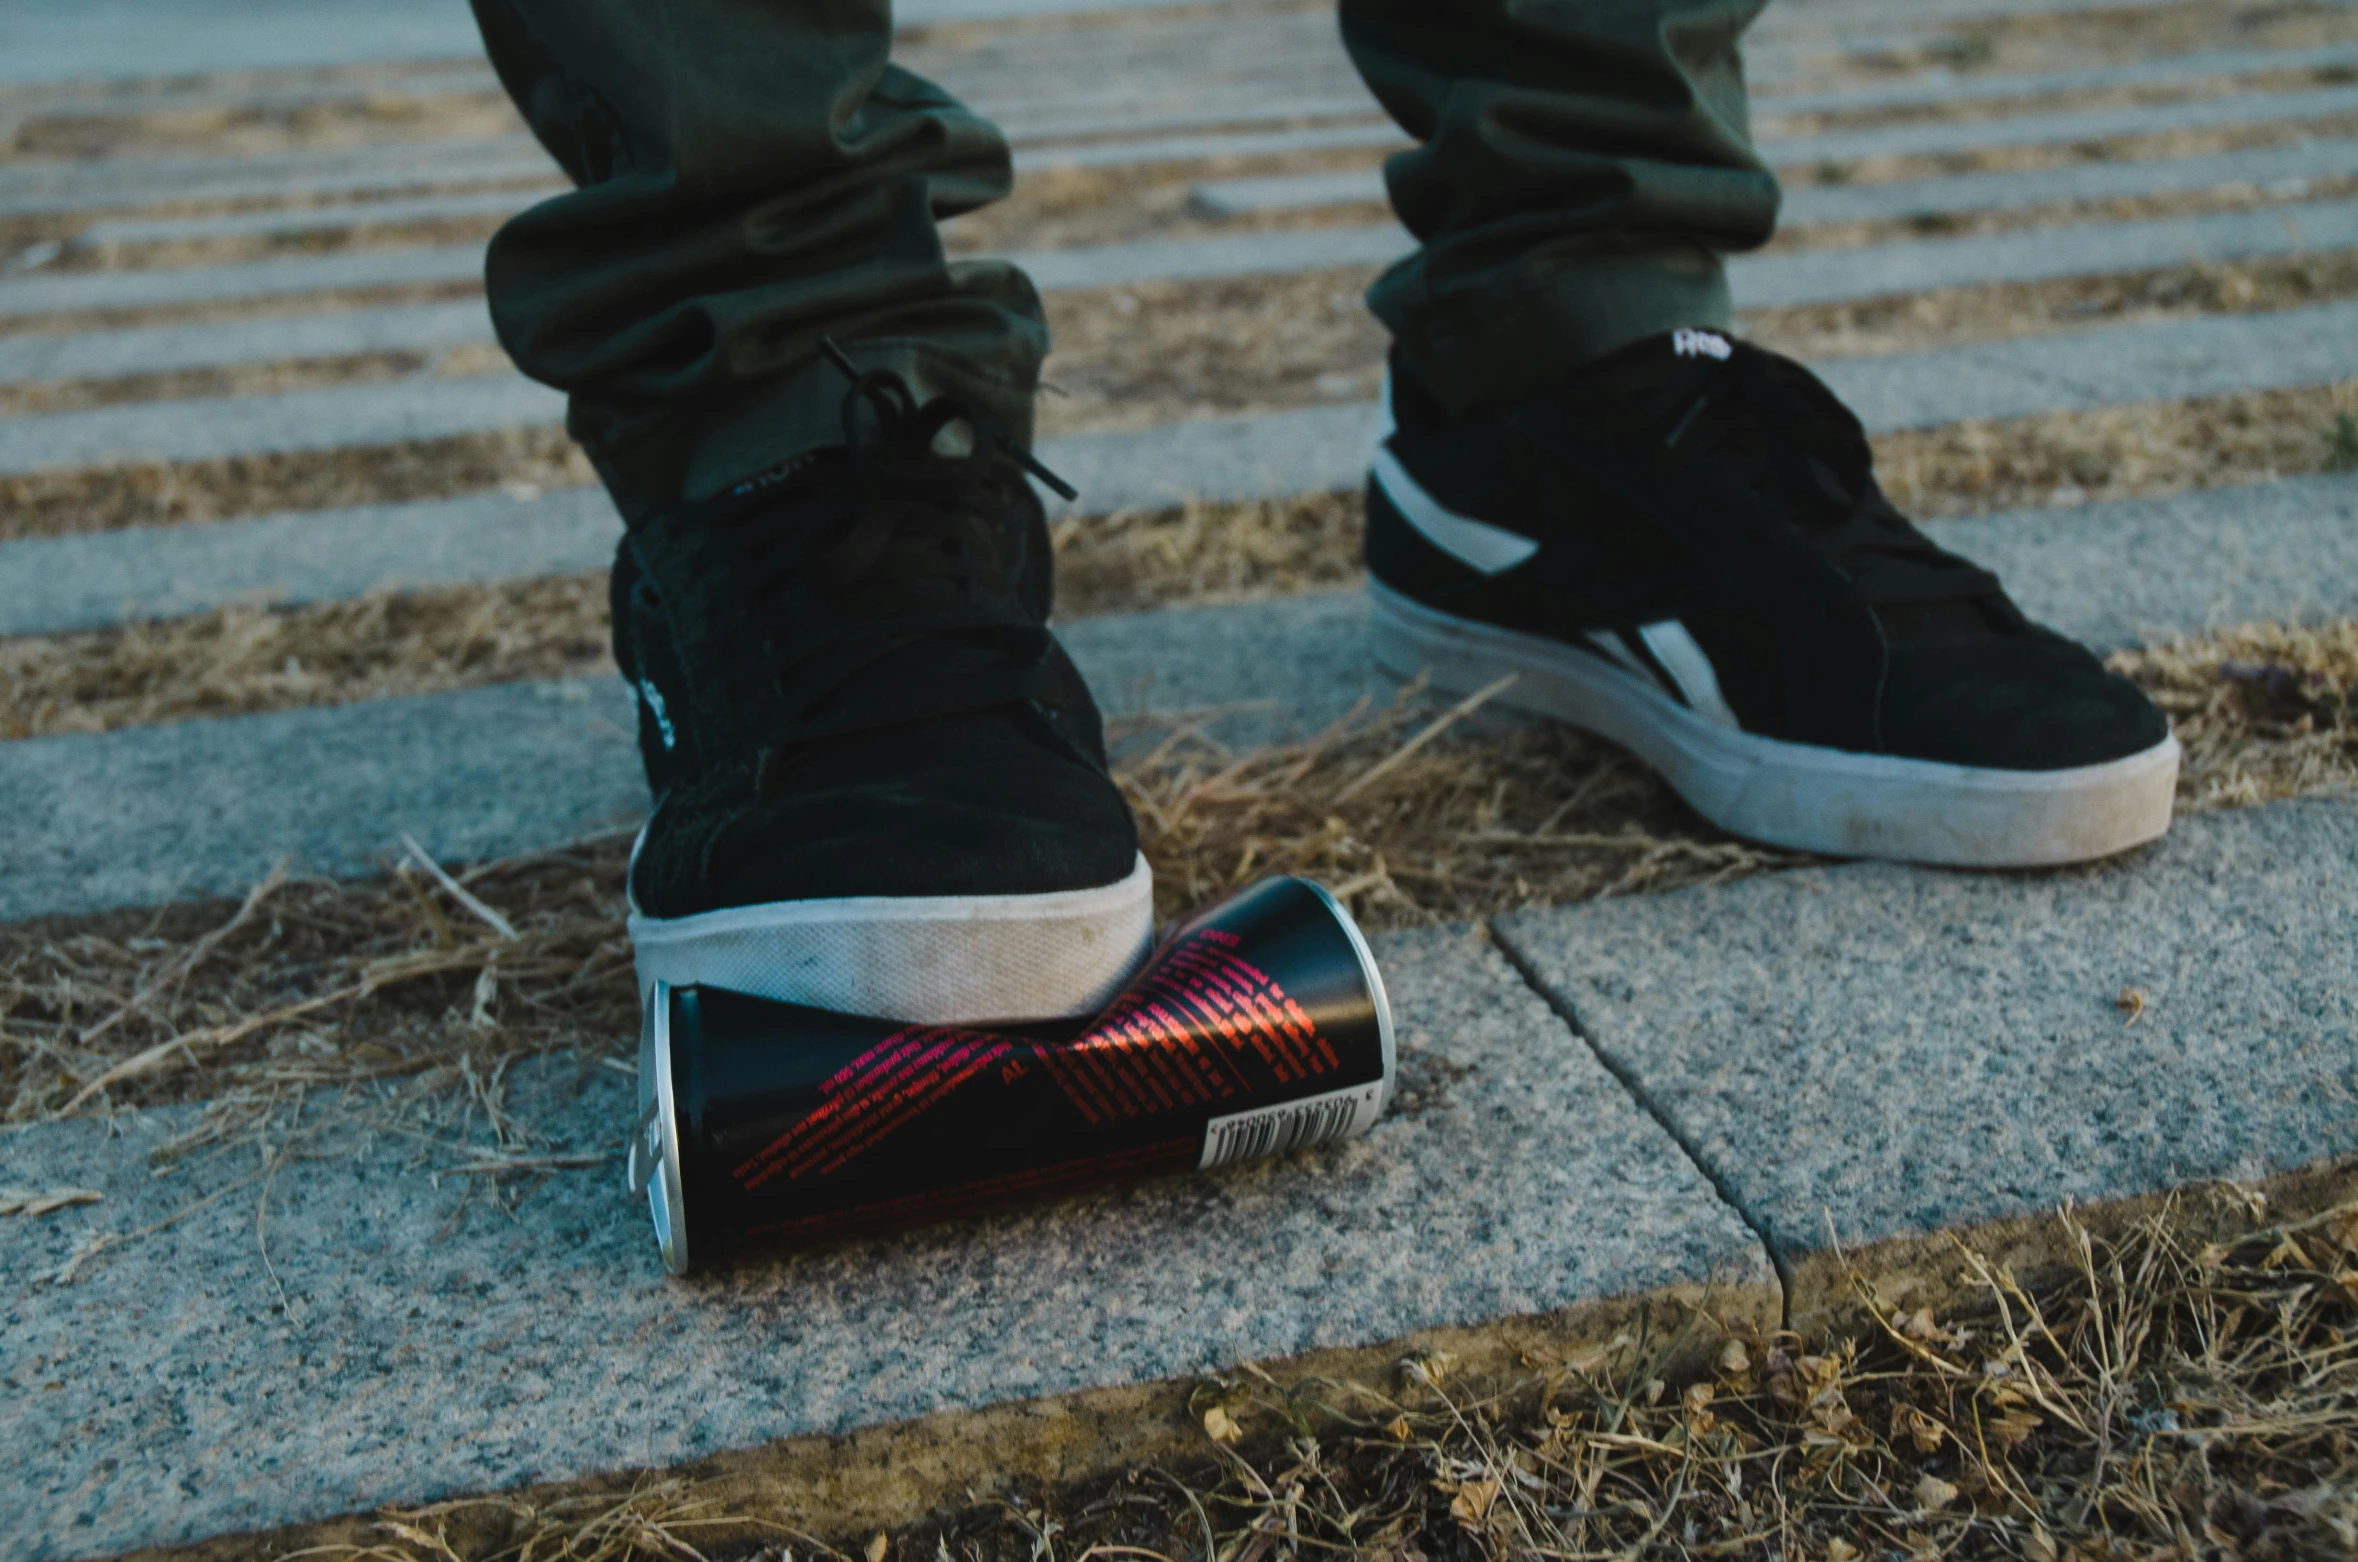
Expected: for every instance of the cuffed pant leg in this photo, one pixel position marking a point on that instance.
(1583, 165)
(752, 174)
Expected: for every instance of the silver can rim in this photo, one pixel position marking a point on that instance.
(1374, 977)
(655, 1164)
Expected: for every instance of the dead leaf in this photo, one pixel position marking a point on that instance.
(1220, 1426)
(2039, 1546)
(878, 1546)
(33, 1202)
(1917, 1427)
(1839, 1550)
(1399, 1431)
(1734, 1358)
(1473, 1502)
(1921, 1327)
(2014, 1428)
(1933, 1493)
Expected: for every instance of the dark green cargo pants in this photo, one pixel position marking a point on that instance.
(754, 173)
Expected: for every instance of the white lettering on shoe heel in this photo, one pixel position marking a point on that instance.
(1700, 344)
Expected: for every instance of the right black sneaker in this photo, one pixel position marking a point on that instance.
(880, 785)
(1683, 549)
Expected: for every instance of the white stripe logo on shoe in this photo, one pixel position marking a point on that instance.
(1476, 544)
(1679, 666)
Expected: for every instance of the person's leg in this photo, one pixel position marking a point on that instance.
(880, 786)
(1583, 164)
(1666, 535)
(753, 174)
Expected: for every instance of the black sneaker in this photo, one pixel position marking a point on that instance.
(1684, 550)
(880, 785)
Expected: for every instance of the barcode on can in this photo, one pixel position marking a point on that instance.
(1295, 1125)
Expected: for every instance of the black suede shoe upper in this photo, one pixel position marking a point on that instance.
(1695, 477)
(847, 685)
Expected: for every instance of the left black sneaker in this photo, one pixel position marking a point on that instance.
(1683, 549)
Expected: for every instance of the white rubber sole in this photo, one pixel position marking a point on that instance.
(931, 960)
(1792, 794)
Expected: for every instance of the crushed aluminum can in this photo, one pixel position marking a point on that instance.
(1258, 1027)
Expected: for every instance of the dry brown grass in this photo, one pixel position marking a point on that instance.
(1136, 559)
(2114, 453)
(1980, 110)
(373, 116)
(2015, 219)
(1413, 813)
(2036, 41)
(295, 242)
(252, 658)
(2264, 711)
(2189, 1393)
(29, 398)
(2006, 311)
(1056, 207)
(66, 502)
(1155, 353)
(2191, 142)
(237, 308)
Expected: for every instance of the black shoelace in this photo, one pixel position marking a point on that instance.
(1815, 453)
(907, 608)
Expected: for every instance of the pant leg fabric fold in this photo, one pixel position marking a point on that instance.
(1583, 166)
(751, 174)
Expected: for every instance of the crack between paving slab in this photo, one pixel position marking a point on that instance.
(1759, 1225)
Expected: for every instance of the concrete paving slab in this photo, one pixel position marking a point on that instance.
(1374, 136)
(160, 349)
(422, 407)
(1869, 1053)
(1267, 193)
(1934, 137)
(57, 584)
(342, 217)
(2040, 254)
(2074, 125)
(189, 809)
(187, 175)
(1940, 87)
(1831, 15)
(52, 584)
(506, 173)
(1293, 102)
(68, 40)
(61, 40)
(2213, 355)
(2284, 171)
(206, 807)
(121, 101)
(2140, 571)
(1759, 280)
(28, 297)
(1229, 255)
(422, 1352)
(1796, 277)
